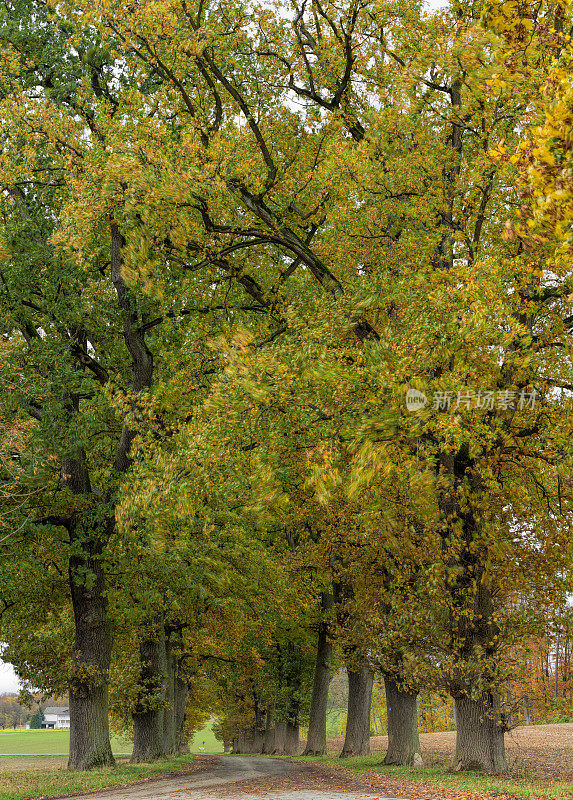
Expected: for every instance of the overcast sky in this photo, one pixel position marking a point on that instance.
(8, 680)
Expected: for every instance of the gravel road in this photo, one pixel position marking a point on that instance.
(247, 778)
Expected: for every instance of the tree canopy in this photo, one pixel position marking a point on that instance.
(286, 336)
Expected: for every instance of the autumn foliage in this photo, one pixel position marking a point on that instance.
(286, 368)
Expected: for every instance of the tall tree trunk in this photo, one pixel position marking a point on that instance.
(280, 739)
(474, 631)
(258, 740)
(89, 719)
(181, 692)
(287, 729)
(292, 738)
(526, 709)
(480, 722)
(403, 738)
(259, 729)
(147, 736)
(244, 739)
(169, 734)
(149, 711)
(269, 737)
(357, 740)
(146, 733)
(89, 723)
(480, 734)
(316, 740)
(247, 740)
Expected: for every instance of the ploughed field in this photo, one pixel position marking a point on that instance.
(537, 751)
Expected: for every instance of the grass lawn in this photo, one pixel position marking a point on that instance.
(461, 783)
(57, 743)
(206, 738)
(19, 783)
(335, 723)
(46, 743)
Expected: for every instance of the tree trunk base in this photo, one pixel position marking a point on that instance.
(89, 735)
(357, 739)
(269, 743)
(316, 739)
(88, 688)
(480, 743)
(147, 736)
(181, 738)
(279, 743)
(403, 739)
(269, 735)
(292, 743)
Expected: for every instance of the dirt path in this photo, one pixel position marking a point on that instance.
(230, 777)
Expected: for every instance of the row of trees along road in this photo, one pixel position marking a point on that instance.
(233, 236)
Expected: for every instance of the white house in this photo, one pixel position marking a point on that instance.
(56, 717)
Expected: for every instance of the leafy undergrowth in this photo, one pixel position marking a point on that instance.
(21, 784)
(448, 783)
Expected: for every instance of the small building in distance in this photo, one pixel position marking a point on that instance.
(56, 717)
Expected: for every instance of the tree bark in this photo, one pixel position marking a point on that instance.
(258, 740)
(316, 740)
(526, 709)
(269, 737)
(474, 631)
(403, 738)
(480, 723)
(259, 729)
(89, 719)
(134, 337)
(280, 739)
(287, 729)
(181, 738)
(169, 734)
(357, 740)
(292, 739)
(147, 736)
(149, 711)
(243, 741)
(480, 741)
(248, 737)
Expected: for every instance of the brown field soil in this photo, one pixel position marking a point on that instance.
(537, 751)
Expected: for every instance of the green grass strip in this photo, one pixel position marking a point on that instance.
(22, 783)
